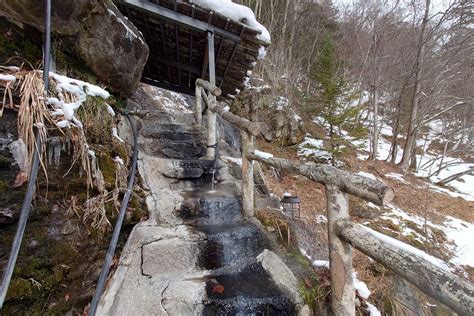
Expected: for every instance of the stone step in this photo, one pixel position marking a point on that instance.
(188, 169)
(173, 131)
(231, 245)
(172, 149)
(162, 117)
(200, 210)
(249, 291)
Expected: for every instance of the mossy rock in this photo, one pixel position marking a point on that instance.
(3, 187)
(20, 289)
(5, 162)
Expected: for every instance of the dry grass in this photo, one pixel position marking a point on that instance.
(275, 221)
(33, 112)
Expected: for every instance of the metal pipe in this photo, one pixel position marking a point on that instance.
(118, 226)
(25, 208)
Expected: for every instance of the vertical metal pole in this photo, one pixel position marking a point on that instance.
(25, 209)
(340, 255)
(211, 116)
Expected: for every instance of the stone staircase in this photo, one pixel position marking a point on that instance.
(197, 254)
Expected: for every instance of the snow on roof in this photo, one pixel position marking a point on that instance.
(237, 13)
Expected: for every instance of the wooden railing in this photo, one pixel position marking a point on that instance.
(438, 283)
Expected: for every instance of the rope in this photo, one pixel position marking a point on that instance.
(118, 226)
(25, 208)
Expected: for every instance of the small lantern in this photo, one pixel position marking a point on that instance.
(291, 204)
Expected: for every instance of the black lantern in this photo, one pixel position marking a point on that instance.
(291, 204)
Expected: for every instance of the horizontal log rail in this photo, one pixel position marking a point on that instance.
(435, 282)
(367, 189)
(238, 121)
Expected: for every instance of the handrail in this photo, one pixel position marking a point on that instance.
(118, 225)
(435, 282)
(370, 190)
(25, 208)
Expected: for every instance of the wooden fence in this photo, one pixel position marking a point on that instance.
(438, 283)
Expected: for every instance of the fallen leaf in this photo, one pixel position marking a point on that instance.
(219, 289)
(20, 179)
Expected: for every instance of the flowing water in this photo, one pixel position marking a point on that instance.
(237, 283)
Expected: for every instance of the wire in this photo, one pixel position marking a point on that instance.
(118, 225)
(25, 208)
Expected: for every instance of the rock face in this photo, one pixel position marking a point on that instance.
(107, 42)
(281, 122)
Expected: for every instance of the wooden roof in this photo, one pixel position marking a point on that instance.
(176, 33)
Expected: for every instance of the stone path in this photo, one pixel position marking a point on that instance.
(196, 255)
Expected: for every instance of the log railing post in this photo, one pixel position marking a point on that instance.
(340, 254)
(211, 116)
(211, 128)
(248, 185)
(198, 106)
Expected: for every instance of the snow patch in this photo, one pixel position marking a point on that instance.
(237, 161)
(397, 177)
(263, 154)
(366, 175)
(118, 160)
(313, 148)
(7, 78)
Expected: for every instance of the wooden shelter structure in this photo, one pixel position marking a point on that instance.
(188, 42)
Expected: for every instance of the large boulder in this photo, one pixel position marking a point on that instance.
(101, 36)
(280, 121)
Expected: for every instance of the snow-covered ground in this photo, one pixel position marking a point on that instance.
(460, 233)
(427, 163)
(314, 148)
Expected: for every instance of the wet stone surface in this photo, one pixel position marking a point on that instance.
(237, 283)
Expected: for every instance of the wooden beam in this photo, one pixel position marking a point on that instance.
(179, 18)
(367, 189)
(435, 282)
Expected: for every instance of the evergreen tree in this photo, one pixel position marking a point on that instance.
(334, 101)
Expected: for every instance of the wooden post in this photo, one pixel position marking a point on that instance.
(211, 116)
(211, 129)
(247, 174)
(198, 106)
(340, 255)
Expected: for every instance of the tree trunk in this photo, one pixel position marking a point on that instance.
(375, 135)
(455, 176)
(411, 134)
